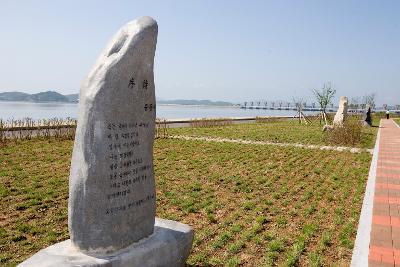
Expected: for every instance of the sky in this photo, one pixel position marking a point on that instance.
(220, 50)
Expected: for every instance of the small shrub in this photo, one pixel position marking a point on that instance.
(248, 205)
(347, 134)
(211, 218)
(235, 247)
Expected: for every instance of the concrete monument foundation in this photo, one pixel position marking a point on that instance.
(169, 245)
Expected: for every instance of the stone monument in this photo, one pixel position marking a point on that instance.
(112, 202)
(367, 117)
(341, 113)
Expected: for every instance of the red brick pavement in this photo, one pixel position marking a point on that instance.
(384, 246)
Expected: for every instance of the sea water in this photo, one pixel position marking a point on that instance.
(20, 110)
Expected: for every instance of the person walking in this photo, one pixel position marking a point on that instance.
(387, 114)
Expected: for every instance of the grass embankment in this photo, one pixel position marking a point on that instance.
(397, 120)
(280, 131)
(248, 204)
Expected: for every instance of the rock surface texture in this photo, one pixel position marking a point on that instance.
(112, 191)
(111, 211)
(341, 114)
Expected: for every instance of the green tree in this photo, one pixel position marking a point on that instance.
(324, 97)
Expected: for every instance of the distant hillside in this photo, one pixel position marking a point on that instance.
(195, 102)
(14, 96)
(49, 96)
(72, 97)
(52, 96)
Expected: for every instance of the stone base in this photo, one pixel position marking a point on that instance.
(169, 245)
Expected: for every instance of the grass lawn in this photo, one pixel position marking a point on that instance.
(250, 205)
(397, 120)
(281, 131)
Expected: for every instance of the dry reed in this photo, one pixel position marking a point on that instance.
(269, 119)
(348, 134)
(29, 128)
(161, 128)
(209, 122)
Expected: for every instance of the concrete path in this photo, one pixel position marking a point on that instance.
(250, 142)
(380, 223)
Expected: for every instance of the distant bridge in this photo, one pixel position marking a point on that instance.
(334, 109)
(305, 107)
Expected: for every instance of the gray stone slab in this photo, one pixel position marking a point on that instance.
(111, 209)
(169, 245)
(112, 189)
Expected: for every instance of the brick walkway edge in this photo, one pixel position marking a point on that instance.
(383, 220)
